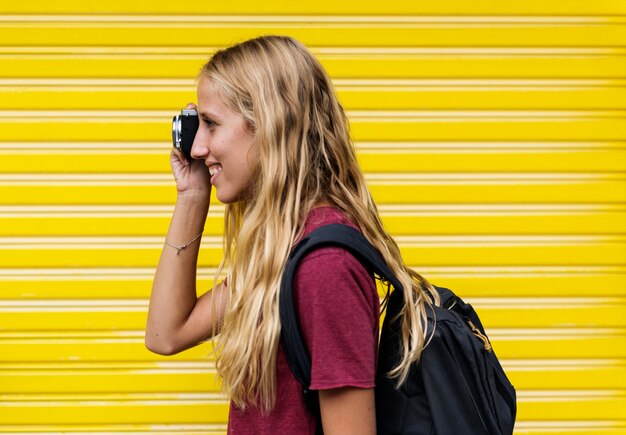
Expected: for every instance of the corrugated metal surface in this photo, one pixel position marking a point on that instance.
(492, 134)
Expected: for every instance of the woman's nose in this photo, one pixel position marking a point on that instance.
(199, 147)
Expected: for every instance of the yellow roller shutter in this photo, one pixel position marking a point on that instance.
(492, 134)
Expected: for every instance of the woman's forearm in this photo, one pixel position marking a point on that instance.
(173, 296)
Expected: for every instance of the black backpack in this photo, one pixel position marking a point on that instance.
(458, 386)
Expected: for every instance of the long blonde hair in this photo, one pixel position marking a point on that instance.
(305, 156)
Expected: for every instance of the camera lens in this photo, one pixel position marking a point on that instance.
(176, 125)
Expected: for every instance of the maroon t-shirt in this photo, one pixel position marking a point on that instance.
(338, 309)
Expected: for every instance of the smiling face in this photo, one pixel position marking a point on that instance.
(226, 144)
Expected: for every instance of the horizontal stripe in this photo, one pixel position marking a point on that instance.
(340, 84)
(112, 348)
(142, 410)
(58, 63)
(96, 305)
(14, 399)
(550, 343)
(210, 20)
(407, 241)
(216, 211)
(31, 158)
(384, 96)
(124, 381)
(140, 305)
(486, 271)
(192, 408)
(427, 250)
(384, 210)
(567, 427)
(400, 7)
(60, 336)
(162, 367)
(117, 429)
(525, 396)
(97, 314)
(563, 375)
(467, 281)
(396, 126)
(200, 377)
(584, 405)
(323, 54)
(575, 426)
(594, 189)
(391, 178)
(89, 147)
(28, 116)
(488, 222)
(534, 427)
(541, 314)
(205, 366)
(316, 32)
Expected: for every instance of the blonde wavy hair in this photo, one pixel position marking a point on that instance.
(306, 156)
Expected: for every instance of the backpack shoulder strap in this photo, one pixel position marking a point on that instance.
(337, 235)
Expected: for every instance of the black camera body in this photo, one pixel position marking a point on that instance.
(184, 128)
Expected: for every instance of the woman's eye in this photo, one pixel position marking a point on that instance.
(208, 122)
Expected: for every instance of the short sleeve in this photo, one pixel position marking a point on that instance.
(338, 308)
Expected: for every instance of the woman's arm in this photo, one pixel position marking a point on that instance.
(348, 410)
(177, 319)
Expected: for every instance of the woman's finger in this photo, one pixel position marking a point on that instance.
(179, 154)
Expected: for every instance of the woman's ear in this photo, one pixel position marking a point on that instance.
(250, 126)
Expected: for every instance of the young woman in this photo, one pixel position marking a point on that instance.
(274, 142)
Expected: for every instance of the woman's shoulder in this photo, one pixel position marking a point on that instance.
(330, 259)
(325, 215)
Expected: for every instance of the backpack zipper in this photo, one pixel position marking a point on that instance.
(480, 335)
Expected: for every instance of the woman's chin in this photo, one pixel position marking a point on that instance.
(225, 197)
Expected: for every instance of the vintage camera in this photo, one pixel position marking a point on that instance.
(184, 128)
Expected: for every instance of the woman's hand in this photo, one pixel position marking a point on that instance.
(192, 177)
